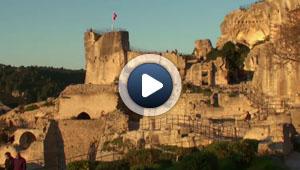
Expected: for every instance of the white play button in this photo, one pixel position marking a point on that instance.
(150, 85)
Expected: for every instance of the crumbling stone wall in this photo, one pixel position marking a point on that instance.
(189, 103)
(202, 48)
(72, 138)
(178, 60)
(208, 73)
(105, 56)
(200, 74)
(229, 107)
(94, 100)
(78, 136)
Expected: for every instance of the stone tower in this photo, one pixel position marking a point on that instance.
(105, 56)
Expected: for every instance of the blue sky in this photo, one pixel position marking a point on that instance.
(50, 33)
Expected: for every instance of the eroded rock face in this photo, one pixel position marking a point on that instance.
(273, 75)
(256, 23)
(277, 64)
(202, 48)
(105, 56)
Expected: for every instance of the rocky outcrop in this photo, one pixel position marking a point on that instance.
(277, 64)
(256, 23)
(105, 56)
(274, 75)
(202, 48)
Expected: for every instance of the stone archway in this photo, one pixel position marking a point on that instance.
(83, 116)
(26, 139)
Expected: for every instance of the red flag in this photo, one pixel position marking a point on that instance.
(114, 16)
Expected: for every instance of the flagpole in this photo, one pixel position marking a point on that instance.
(113, 21)
(114, 16)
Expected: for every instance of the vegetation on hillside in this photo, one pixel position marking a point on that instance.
(234, 55)
(240, 155)
(33, 83)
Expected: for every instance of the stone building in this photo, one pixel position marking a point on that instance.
(87, 100)
(201, 74)
(207, 73)
(105, 56)
(202, 48)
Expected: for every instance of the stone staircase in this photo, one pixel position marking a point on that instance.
(268, 105)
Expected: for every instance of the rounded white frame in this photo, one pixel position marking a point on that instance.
(150, 58)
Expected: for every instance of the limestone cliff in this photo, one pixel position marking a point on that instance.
(105, 56)
(256, 23)
(277, 64)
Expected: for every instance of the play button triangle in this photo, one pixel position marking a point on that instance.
(150, 85)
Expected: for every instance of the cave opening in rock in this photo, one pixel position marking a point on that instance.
(83, 116)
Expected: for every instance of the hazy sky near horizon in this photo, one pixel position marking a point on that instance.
(50, 33)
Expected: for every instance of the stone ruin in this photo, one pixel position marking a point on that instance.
(85, 117)
(202, 48)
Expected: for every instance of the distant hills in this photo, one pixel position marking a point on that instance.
(22, 85)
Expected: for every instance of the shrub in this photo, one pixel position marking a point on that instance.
(213, 54)
(112, 145)
(296, 142)
(233, 94)
(225, 164)
(248, 148)
(219, 148)
(202, 160)
(117, 144)
(49, 103)
(115, 165)
(78, 165)
(235, 55)
(31, 107)
(173, 152)
(161, 165)
(143, 167)
(266, 163)
(197, 89)
(145, 157)
(240, 152)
